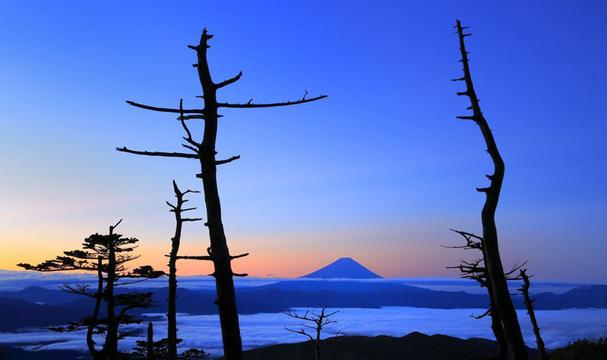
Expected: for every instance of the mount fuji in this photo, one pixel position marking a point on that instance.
(343, 268)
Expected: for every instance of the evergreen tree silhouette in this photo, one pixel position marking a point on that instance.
(106, 256)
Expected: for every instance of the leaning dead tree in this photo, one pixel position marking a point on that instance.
(205, 153)
(178, 209)
(318, 321)
(524, 289)
(477, 270)
(107, 256)
(491, 256)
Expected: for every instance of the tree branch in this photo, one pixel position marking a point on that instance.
(169, 110)
(188, 137)
(158, 153)
(301, 332)
(229, 81)
(186, 257)
(250, 104)
(221, 162)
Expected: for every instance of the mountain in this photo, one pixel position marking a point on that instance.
(344, 268)
(21, 314)
(14, 353)
(40, 295)
(589, 296)
(356, 294)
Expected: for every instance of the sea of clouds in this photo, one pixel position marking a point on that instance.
(559, 327)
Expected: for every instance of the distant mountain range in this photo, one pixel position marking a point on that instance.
(19, 313)
(343, 283)
(343, 268)
(33, 307)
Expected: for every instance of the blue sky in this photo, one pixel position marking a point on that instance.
(378, 171)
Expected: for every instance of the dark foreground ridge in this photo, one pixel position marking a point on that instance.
(415, 346)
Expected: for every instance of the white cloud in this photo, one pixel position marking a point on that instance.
(559, 327)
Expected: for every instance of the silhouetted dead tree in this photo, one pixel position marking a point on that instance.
(204, 152)
(495, 273)
(319, 321)
(178, 209)
(150, 342)
(105, 255)
(524, 289)
(477, 270)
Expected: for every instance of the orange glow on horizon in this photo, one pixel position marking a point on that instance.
(275, 255)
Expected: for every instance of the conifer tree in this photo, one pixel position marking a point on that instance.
(106, 255)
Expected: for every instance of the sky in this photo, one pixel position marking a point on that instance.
(378, 171)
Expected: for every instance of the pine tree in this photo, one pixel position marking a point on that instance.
(106, 255)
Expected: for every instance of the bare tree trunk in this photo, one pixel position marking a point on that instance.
(172, 306)
(317, 343)
(172, 300)
(90, 343)
(498, 332)
(495, 272)
(173, 257)
(111, 339)
(320, 320)
(150, 342)
(219, 252)
(205, 153)
(529, 305)
(473, 270)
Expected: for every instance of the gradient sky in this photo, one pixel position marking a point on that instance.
(378, 171)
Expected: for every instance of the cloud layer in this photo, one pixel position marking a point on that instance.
(202, 331)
